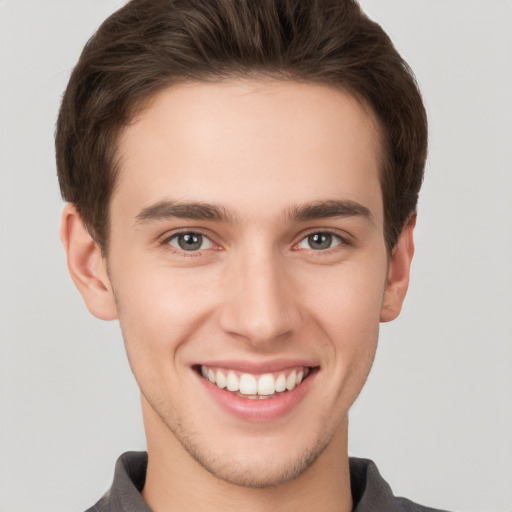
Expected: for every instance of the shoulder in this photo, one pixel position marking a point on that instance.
(104, 504)
(405, 505)
(372, 493)
(101, 506)
(129, 478)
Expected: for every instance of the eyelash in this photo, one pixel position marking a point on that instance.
(166, 242)
(341, 241)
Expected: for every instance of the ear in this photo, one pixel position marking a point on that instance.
(398, 273)
(87, 266)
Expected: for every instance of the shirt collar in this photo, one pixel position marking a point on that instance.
(370, 492)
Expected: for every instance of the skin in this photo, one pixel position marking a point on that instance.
(256, 291)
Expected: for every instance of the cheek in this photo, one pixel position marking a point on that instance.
(351, 321)
(347, 308)
(157, 319)
(347, 298)
(161, 309)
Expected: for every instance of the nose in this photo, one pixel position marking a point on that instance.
(259, 304)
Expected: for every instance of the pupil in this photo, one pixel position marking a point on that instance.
(190, 241)
(320, 241)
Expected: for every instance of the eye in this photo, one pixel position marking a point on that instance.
(190, 241)
(320, 241)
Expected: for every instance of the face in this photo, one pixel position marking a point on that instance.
(248, 266)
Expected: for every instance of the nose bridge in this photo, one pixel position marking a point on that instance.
(259, 305)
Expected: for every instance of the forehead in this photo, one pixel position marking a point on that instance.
(250, 145)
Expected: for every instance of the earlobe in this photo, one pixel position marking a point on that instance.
(398, 273)
(86, 265)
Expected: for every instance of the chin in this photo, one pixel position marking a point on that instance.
(261, 467)
(257, 472)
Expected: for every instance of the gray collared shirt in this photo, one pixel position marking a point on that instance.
(370, 492)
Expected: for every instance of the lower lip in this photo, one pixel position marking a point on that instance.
(260, 409)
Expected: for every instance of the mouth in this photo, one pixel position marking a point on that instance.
(252, 386)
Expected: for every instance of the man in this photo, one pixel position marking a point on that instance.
(242, 179)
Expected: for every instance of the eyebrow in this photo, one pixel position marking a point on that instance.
(183, 210)
(328, 209)
(205, 211)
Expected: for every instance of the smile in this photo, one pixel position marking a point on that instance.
(256, 387)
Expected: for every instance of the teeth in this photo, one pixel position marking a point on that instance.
(248, 384)
(266, 385)
(232, 382)
(281, 383)
(291, 381)
(253, 387)
(220, 380)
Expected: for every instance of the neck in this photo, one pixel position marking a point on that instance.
(176, 482)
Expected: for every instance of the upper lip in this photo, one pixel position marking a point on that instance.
(258, 367)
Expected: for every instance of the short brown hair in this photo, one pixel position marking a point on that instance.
(148, 45)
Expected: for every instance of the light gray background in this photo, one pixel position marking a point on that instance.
(436, 414)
